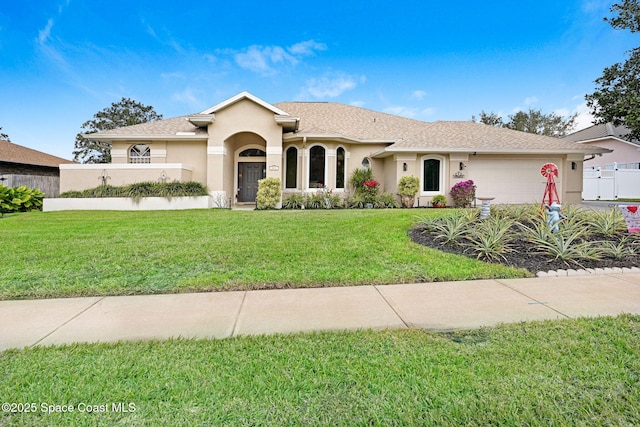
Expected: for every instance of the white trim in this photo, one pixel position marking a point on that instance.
(443, 165)
(127, 204)
(240, 97)
(99, 166)
(274, 150)
(217, 150)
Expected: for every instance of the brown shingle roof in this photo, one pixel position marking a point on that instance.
(330, 119)
(14, 153)
(350, 122)
(167, 127)
(470, 136)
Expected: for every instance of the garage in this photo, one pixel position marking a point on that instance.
(511, 179)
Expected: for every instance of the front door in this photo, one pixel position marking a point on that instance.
(248, 175)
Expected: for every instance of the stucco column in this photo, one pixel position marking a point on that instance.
(216, 152)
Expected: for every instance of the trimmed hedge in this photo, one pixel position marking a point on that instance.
(143, 189)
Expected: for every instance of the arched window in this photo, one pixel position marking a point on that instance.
(432, 175)
(140, 153)
(252, 152)
(366, 163)
(316, 167)
(340, 167)
(291, 175)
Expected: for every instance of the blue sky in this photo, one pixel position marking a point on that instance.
(62, 61)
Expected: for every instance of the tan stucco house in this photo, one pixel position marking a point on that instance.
(233, 144)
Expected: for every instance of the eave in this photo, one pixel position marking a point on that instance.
(190, 136)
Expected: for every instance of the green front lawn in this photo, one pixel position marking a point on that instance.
(555, 373)
(60, 254)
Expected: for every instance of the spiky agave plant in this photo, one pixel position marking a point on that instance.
(607, 223)
(490, 239)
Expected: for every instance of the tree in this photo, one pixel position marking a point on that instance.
(491, 119)
(532, 121)
(4, 136)
(616, 98)
(127, 112)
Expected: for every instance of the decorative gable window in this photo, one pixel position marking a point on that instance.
(140, 153)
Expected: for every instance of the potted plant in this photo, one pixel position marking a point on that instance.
(439, 201)
(407, 190)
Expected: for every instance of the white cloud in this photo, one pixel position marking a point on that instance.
(530, 100)
(584, 119)
(402, 111)
(188, 96)
(428, 112)
(306, 48)
(418, 94)
(410, 112)
(357, 103)
(331, 85)
(262, 59)
(45, 33)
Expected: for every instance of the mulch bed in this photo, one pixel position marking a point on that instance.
(525, 254)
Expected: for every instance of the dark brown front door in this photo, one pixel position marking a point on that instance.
(248, 176)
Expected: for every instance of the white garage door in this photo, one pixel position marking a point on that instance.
(511, 180)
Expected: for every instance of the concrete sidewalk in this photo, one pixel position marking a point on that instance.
(434, 306)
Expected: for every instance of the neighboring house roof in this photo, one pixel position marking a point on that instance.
(14, 153)
(600, 132)
(330, 120)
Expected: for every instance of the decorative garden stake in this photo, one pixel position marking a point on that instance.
(549, 171)
(554, 216)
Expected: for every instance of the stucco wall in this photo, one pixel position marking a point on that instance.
(83, 177)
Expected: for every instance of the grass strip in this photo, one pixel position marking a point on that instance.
(552, 373)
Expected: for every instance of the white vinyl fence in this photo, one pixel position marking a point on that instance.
(611, 184)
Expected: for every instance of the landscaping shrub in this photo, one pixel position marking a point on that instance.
(370, 190)
(463, 193)
(386, 201)
(358, 178)
(269, 193)
(294, 201)
(519, 235)
(20, 199)
(143, 189)
(408, 187)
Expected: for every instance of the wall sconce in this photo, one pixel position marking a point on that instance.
(574, 165)
(462, 166)
(404, 167)
(163, 177)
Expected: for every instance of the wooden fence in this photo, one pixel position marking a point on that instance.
(49, 185)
